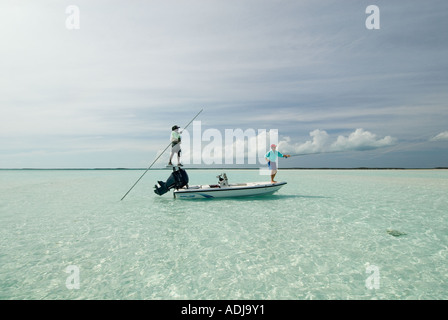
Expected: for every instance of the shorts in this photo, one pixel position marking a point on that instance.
(272, 166)
(175, 148)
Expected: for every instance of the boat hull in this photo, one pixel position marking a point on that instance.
(231, 191)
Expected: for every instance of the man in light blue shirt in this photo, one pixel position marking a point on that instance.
(272, 157)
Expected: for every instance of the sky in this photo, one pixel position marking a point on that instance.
(101, 85)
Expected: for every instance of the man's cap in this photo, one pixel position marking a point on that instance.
(273, 145)
(175, 127)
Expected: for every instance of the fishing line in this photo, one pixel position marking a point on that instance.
(380, 150)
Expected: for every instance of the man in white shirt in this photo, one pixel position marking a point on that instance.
(175, 145)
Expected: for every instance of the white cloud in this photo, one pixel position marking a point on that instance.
(249, 146)
(321, 142)
(443, 136)
(361, 140)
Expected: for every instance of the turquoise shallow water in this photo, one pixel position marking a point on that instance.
(323, 236)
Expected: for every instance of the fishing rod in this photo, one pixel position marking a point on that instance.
(391, 148)
(158, 158)
(321, 152)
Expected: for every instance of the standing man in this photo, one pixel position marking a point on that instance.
(175, 145)
(271, 157)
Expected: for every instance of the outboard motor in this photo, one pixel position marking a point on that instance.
(178, 179)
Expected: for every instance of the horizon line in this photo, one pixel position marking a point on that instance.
(239, 168)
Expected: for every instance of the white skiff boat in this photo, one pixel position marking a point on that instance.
(228, 191)
(178, 181)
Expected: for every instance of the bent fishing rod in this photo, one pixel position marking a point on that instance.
(320, 152)
(391, 149)
(158, 157)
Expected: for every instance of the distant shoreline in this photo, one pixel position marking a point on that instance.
(217, 168)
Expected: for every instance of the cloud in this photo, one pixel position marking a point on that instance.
(319, 143)
(443, 136)
(235, 146)
(361, 140)
(358, 140)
